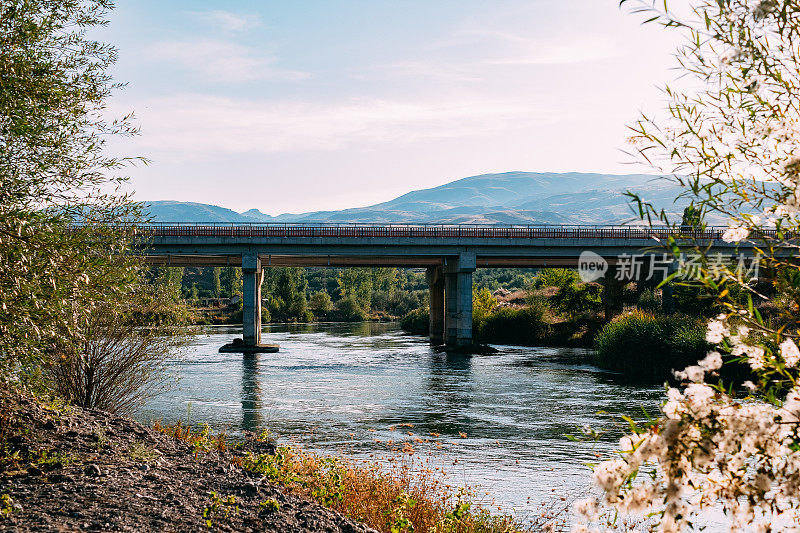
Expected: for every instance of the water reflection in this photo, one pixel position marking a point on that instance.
(331, 386)
(252, 419)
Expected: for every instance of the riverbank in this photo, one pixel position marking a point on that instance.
(70, 469)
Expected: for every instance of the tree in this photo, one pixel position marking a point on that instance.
(62, 251)
(731, 139)
(217, 283)
(287, 289)
(356, 284)
(320, 302)
(482, 303)
(232, 280)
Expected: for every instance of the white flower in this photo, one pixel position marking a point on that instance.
(789, 352)
(716, 331)
(735, 233)
(610, 474)
(586, 508)
(693, 373)
(755, 357)
(711, 362)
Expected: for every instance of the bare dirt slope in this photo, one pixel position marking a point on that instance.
(83, 470)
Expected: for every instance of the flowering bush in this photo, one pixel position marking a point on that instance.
(733, 146)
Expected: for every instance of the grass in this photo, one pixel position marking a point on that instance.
(403, 494)
(395, 498)
(201, 438)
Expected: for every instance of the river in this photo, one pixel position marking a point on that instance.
(496, 422)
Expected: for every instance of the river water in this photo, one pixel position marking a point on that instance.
(496, 422)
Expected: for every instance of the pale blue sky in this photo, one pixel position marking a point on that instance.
(308, 105)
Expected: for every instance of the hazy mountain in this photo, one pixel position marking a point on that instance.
(507, 198)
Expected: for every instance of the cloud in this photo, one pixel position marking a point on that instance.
(227, 21)
(194, 125)
(219, 60)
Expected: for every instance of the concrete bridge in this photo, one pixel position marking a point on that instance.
(450, 253)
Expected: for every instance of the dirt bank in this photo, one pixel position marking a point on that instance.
(84, 470)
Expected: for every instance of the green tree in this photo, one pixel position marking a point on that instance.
(483, 303)
(287, 287)
(320, 303)
(356, 284)
(216, 289)
(54, 172)
(232, 281)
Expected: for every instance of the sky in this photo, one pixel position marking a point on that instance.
(315, 105)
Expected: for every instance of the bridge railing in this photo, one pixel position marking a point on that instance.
(424, 231)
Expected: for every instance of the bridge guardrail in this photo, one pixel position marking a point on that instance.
(424, 231)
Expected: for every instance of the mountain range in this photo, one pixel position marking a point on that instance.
(505, 198)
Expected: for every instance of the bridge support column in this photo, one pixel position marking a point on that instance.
(612, 294)
(252, 276)
(436, 283)
(458, 299)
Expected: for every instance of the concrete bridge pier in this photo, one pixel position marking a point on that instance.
(435, 278)
(252, 276)
(458, 299)
(611, 297)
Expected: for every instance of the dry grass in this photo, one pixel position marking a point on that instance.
(402, 494)
(201, 438)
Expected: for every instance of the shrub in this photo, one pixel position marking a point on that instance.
(642, 345)
(350, 310)
(512, 325)
(120, 359)
(416, 322)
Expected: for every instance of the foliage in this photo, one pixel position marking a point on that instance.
(482, 304)
(355, 285)
(120, 359)
(646, 346)
(231, 279)
(555, 277)
(54, 172)
(219, 508)
(216, 290)
(286, 287)
(513, 325)
(416, 322)
(398, 498)
(349, 310)
(731, 140)
(320, 303)
(573, 296)
(508, 278)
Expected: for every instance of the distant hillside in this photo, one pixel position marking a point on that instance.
(507, 198)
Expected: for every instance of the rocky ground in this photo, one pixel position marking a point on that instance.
(70, 469)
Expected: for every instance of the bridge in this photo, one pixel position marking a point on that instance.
(450, 254)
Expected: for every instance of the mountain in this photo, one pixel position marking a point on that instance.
(507, 198)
